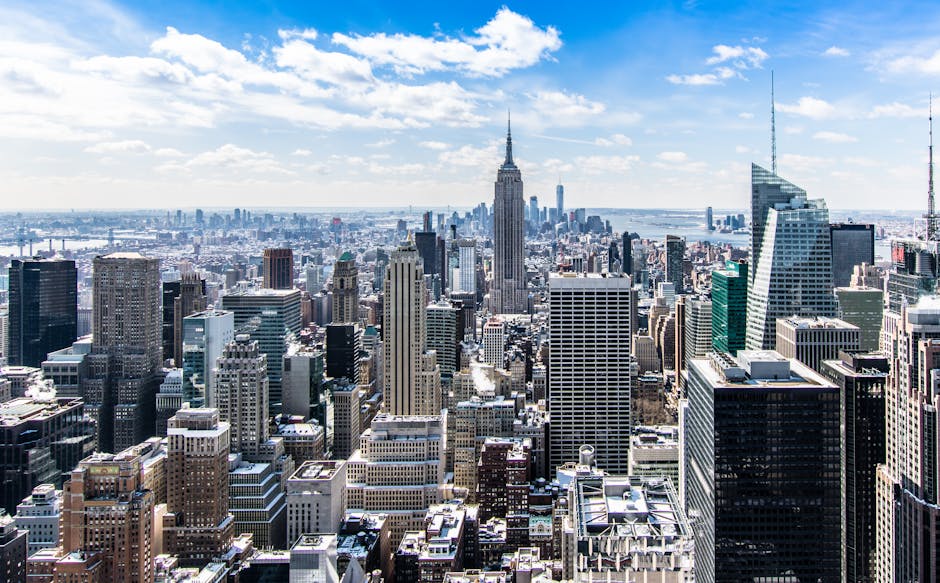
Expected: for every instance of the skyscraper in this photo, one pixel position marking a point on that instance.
(345, 290)
(404, 334)
(508, 293)
(794, 269)
(534, 211)
(675, 257)
(205, 335)
(441, 330)
(278, 268)
(467, 248)
(852, 244)
(43, 314)
(241, 386)
(270, 316)
(124, 365)
(729, 307)
(861, 378)
(197, 525)
(560, 201)
(592, 369)
(762, 477)
(767, 190)
(907, 495)
(626, 254)
(181, 298)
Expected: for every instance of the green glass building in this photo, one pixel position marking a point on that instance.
(729, 307)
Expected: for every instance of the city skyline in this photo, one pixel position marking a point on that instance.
(367, 105)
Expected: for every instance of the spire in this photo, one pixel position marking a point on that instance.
(931, 211)
(508, 161)
(773, 128)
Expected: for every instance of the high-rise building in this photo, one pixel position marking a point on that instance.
(348, 399)
(43, 437)
(907, 497)
(610, 517)
(626, 254)
(753, 520)
(560, 201)
(398, 470)
(861, 378)
(467, 259)
(813, 340)
(346, 290)
(534, 211)
(343, 351)
(675, 258)
(39, 515)
(729, 307)
(181, 298)
(241, 383)
(270, 316)
(404, 335)
(124, 366)
(794, 271)
(43, 310)
(304, 387)
(852, 244)
(313, 557)
(316, 498)
(494, 342)
(709, 219)
(591, 368)
(767, 190)
(508, 293)
(441, 330)
(278, 268)
(12, 551)
(108, 510)
(697, 333)
(863, 307)
(197, 525)
(205, 335)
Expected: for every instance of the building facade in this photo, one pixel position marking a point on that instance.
(43, 309)
(508, 293)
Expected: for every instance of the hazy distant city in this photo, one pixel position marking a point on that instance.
(292, 295)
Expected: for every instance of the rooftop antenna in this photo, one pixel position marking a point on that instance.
(773, 128)
(931, 211)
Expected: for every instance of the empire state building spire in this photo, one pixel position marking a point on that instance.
(508, 162)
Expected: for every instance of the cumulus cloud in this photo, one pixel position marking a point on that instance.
(727, 62)
(121, 147)
(835, 51)
(920, 64)
(434, 145)
(834, 137)
(810, 107)
(896, 109)
(508, 41)
(229, 158)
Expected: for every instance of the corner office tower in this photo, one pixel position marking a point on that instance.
(508, 292)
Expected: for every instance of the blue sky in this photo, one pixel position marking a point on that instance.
(219, 104)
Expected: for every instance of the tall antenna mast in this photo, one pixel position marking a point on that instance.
(931, 212)
(773, 127)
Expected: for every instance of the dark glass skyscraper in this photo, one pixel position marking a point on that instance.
(278, 268)
(852, 244)
(180, 299)
(729, 307)
(43, 309)
(675, 255)
(762, 478)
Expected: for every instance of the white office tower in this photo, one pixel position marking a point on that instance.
(39, 514)
(508, 293)
(592, 370)
(316, 498)
(794, 270)
(205, 335)
(404, 334)
(313, 559)
(494, 341)
(906, 486)
(242, 390)
(467, 261)
(623, 529)
(398, 470)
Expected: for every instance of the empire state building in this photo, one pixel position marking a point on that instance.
(508, 293)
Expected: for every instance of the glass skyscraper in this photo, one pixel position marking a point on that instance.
(43, 309)
(729, 307)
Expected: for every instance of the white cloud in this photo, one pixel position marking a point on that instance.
(508, 41)
(746, 115)
(742, 150)
(434, 145)
(810, 107)
(168, 153)
(835, 51)
(121, 147)
(381, 143)
(621, 140)
(673, 156)
(921, 64)
(896, 109)
(741, 57)
(301, 152)
(229, 158)
(696, 79)
(834, 137)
